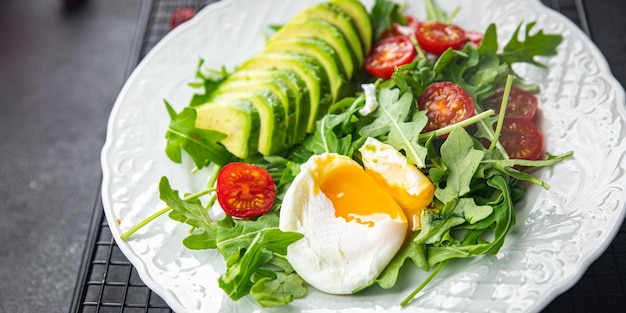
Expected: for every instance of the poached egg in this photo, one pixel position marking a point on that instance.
(352, 227)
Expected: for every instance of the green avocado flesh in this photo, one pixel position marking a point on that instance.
(339, 19)
(238, 119)
(273, 100)
(311, 73)
(324, 53)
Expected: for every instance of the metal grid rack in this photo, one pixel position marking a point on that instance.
(109, 283)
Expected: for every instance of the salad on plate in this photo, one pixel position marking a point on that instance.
(356, 143)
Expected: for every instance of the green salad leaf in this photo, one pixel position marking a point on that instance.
(384, 14)
(248, 261)
(533, 45)
(190, 212)
(208, 81)
(279, 291)
(200, 144)
(391, 122)
(461, 160)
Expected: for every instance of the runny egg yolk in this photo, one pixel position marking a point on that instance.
(403, 181)
(354, 193)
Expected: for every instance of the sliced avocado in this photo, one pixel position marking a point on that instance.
(302, 104)
(324, 53)
(276, 82)
(360, 18)
(273, 129)
(239, 120)
(311, 72)
(341, 20)
(321, 29)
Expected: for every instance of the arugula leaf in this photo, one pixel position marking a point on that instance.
(527, 49)
(278, 291)
(497, 224)
(462, 160)
(230, 240)
(390, 119)
(200, 144)
(242, 266)
(190, 212)
(411, 250)
(384, 14)
(210, 79)
(490, 40)
(436, 225)
(414, 77)
(325, 140)
(405, 137)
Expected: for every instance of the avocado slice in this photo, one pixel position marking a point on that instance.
(311, 72)
(341, 20)
(360, 18)
(273, 127)
(323, 30)
(239, 120)
(301, 104)
(278, 84)
(324, 53)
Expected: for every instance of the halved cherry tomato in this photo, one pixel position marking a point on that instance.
(476, 38)
(401, 30)
(436, 37)
(245, 190)
(180, 16)
(446, 104)
(522, 104)
(387, 54)
(521, 139)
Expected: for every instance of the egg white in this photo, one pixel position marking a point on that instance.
(335, 256)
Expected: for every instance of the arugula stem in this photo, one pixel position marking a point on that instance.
(419, 288)
(143, 223)
(531, 163)
(418, 48)
(448, 129)
(505, 101)
(152, 217)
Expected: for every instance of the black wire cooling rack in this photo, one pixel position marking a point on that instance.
(109, 283)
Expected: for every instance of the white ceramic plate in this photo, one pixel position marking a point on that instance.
(559, 232)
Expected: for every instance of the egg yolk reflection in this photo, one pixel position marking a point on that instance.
(354, 193)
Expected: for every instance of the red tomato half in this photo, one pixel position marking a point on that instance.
(446, 104)
(437, 37)
(245, 190)
(522, 104)
(401, 30)
(180, 16)
(476, 38)
(521, 139)
(387, 54)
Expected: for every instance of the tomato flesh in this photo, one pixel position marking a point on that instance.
(521, 139)
(474, 37)
(522, 104)
(446, 104)
(180, 16)
(245, 190)
(436, 37)
(387, 54)
(401, 30)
